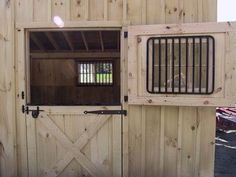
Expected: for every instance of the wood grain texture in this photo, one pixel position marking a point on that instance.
(158, 140)
(183, 153)
(7, 95)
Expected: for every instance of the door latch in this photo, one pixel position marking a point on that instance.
(107, 112)
(35, 113)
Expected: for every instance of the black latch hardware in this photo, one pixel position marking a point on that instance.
(107, 112)
(22, 95)
(126, 98)
(125, 34)
(35, 113)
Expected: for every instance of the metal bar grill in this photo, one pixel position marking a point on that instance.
(181, 65)
(95, 73)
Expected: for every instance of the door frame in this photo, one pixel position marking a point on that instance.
(21, 55)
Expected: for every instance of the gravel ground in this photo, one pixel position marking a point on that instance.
(225, 160)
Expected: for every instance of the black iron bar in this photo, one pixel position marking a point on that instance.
(159, 89)
(207, 63)
(166, 64)
(213, 65)
(147, 67)
(200, 67)
(179, 65)
(153, 64)
(193, 71)
(173, 65)
(186, 75)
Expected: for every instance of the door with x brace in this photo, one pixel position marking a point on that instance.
(63, 141)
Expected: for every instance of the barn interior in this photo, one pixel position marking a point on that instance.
(71, 67)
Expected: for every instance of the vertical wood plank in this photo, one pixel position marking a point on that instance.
(155, 12)
(59, 8)
(144, 12)
(32, 146)
(189, 129)
(200, 10)
(8, 127)
(152, 140)
(134, 15)
(115, 10)
(162, 141)
(68, 10)
(105, 9)
(179, 142)
(143, 143)
(23, 15)
(190, 11)
(21, 118)
(96, 10)
(125, 11)
(171, 136)
(171, 11)
(209, 11)
(207, 141)
(116, 146)
(135, 141)
(40, 10)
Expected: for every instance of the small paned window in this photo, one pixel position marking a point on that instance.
(181, 65)
(99, 73)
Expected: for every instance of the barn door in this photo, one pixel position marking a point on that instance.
(68, 130)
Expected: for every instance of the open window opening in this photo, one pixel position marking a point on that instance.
(73, 67)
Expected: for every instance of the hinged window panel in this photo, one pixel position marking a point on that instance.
(182, 64)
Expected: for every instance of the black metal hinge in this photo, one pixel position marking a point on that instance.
(22, 95)
(125, 34)
(107, 112)
(126, 98)
(35, 113)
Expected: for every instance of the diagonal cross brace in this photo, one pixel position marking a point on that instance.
(74, 149)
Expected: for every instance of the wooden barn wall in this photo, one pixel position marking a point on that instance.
(162, 141)
(132, 11)
(7, 92)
